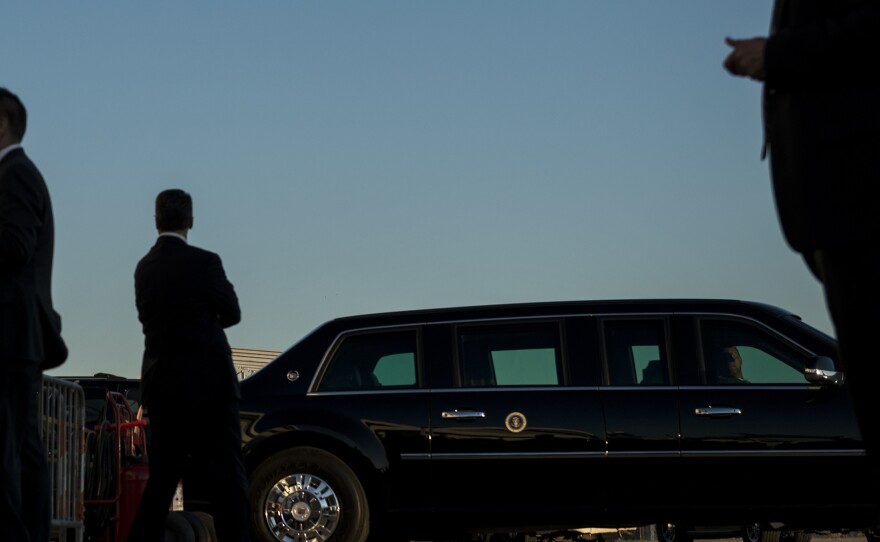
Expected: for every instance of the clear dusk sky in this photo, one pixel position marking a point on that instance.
(366, 156)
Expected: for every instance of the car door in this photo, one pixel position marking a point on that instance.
(766, 438)
(640, 403)
(372, 395)
(511, 438)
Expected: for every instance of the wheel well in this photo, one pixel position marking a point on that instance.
(257, 453)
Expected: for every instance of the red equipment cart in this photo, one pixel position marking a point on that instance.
(116, 455)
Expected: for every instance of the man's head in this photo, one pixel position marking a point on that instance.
(731, 362)
(174, 211)
(13, 118)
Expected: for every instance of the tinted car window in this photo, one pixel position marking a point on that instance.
(636, 352)
(371, 361)
(510, 355)
(95, 390)
(763, 358)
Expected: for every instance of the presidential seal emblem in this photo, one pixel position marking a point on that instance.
(515, 422)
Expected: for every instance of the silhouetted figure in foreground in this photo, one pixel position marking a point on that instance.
(189, 386)
(30, 330)
(822, 128)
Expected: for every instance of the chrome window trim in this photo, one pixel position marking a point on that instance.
(495, 389)
(778, 387)
(598, 389)
(366, 392)
(851, 452)
(500, 320)
(844, 452)
(513, 455)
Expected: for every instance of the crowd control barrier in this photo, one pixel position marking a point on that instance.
(62, 411)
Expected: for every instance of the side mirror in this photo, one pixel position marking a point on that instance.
(821, 370)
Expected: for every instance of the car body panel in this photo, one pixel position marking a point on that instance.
(559, 451)
(591, 439)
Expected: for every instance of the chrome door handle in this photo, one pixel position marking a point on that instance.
(462, 414)
(717, 412)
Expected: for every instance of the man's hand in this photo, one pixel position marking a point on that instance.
(747, 58)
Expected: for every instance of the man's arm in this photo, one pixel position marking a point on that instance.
(834, 48)
(747, 58)
(20, 217)
(223, 297)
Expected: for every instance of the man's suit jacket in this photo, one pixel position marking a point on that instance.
(30, 329)
(184, 302)
(822, 120)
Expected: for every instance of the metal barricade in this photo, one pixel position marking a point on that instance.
(63, 411)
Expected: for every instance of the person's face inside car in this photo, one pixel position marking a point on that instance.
(732, 363)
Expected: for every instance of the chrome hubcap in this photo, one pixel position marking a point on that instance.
(753, 532)
(302, 508)
(667, 532)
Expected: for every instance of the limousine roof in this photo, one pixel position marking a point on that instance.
(575, 307)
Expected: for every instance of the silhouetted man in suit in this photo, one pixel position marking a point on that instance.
(189, 386)
(822, 125)
(30, 330)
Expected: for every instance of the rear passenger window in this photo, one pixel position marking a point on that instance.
(510, 355)
(372, 361)
(739, 353)
(635, 351)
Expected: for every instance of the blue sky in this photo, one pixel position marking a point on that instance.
(352, 157)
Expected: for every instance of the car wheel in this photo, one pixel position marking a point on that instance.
(178, 529)
(670, 532)
(208, 520)
(752, 533)
(200, 530)
(307, 495)
(872, 535)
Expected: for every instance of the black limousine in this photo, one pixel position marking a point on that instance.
(530, 418)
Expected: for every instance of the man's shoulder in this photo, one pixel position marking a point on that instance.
(14, 154)
(201, 253)
(172, 246)
(174, 257)
(17, 164)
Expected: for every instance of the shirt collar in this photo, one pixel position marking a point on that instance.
(6, 150)
(173, 234)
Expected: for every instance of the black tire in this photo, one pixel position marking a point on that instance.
(200, 530)
(208, 521)
(872, 535)
(752, 533)
(389, 534)
(178, 529)
(304, 493)
(670, 532)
